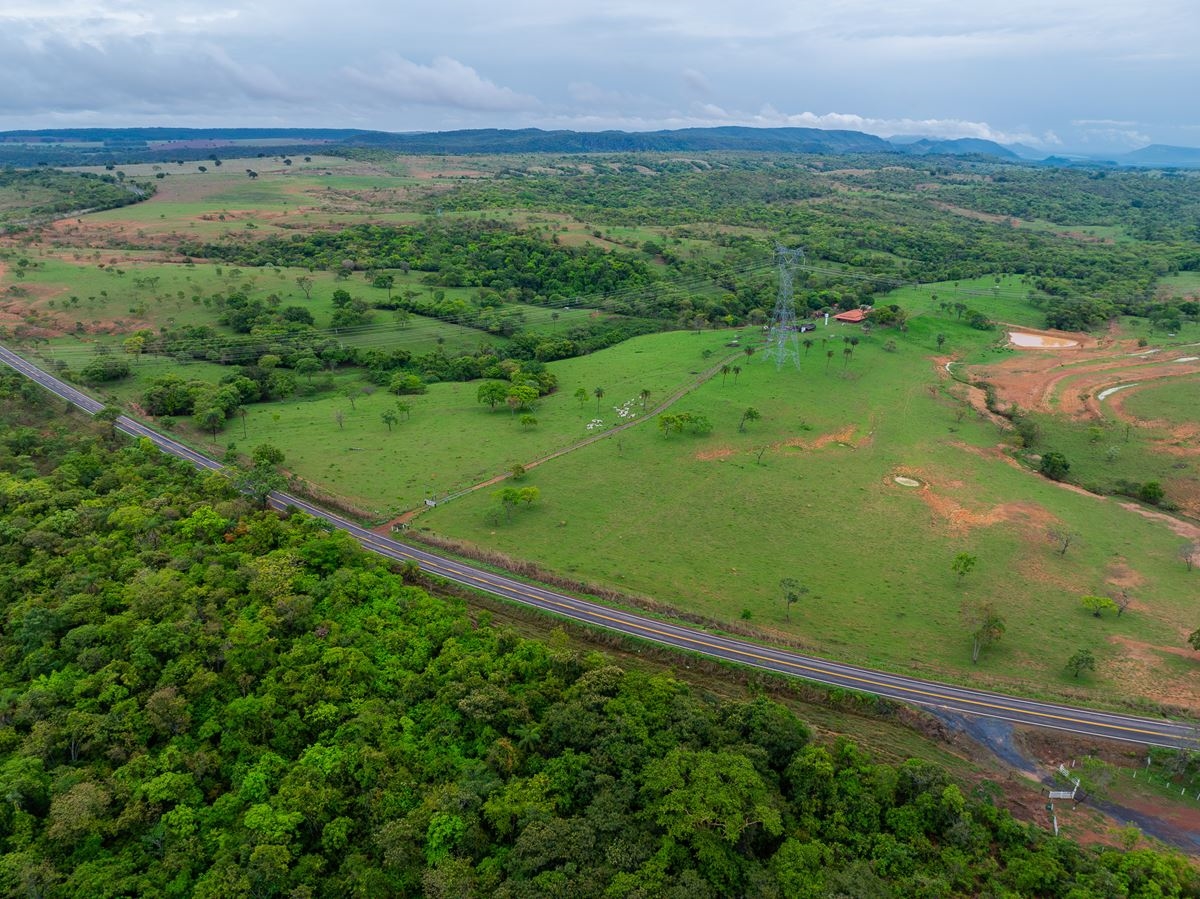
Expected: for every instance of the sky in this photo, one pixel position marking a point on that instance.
(1057, 75)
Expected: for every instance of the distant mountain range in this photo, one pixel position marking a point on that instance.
(127, 145)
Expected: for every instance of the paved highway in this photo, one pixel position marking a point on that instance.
(914, 691)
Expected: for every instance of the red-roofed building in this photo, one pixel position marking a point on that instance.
(852, 316)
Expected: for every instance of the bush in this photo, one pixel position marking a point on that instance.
(1152, 492)
(1054, 466)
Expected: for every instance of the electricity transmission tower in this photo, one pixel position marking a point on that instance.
(782, 342)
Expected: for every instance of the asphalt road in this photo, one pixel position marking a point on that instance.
(914, 691)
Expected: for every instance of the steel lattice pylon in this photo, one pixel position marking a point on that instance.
(782, 342)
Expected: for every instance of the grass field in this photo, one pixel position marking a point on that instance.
(698, 522)
(450, 441)
(1174, 402)
(1001, 298)
(1182, 284)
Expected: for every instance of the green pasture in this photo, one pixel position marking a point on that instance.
(449, 440)
(1002, 298)
(1181, 283)
(1175, 400)
(1105, 452)
(1113, 233)
(700, 523)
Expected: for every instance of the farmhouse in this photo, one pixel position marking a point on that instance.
(852, 316)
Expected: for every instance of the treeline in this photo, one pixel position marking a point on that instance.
(204, 699)
(47, 193)
(472, 253)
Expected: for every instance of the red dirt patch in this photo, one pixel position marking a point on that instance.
(716, 453)
(961, 519)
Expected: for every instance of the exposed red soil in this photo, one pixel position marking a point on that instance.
(961, 520)
(1069, 380)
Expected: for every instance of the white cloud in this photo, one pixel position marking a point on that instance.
(447, 82)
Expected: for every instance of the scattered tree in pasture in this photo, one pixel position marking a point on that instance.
(828, 359)
(1189, 554)
(340, 417)
(581, 395)
(305, 283)
(1082, 660)
(390, 418)
(1194, 639)
(1097, 604)
(643, 395)
(599, 394)
(985, 624)
(808, 344)
(404, 408)
(724, 374)
(941, 339)
(1063, 538)
(528, 421)
(351, 392)
(517, 471)
(751, 414)
(511, 497)
(962, 565)
(737, 371)
(793, 591)
(1122, 600)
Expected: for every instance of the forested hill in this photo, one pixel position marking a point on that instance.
(201, 698)
(99, 145)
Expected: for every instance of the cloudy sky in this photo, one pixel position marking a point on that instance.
(1055, 74)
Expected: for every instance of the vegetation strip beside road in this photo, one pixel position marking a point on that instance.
(1105, 725)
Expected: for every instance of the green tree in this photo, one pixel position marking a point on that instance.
(492, 393)
(1054, 466)
(305, 283)
(581, 395)
(390, 418)
(941, 339)
(210, 419)
(599, 394)
(644, 395)
(1152, 492)
(724, 374)
(751, 414)
(1097, 604)
(1194, 639)
(793, 591)
(307, 366)
(962, 565)
(528, 421)
(737, 372)
(267, 454)
(1082, 660)
(985, 624)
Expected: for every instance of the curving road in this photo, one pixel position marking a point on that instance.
(914, 691)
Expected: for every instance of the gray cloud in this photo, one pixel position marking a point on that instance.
(447, 82)
(1085, 72)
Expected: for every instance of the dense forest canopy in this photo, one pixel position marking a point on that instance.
(201, 698)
